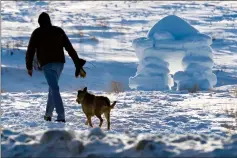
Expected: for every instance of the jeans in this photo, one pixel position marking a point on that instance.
(52, 72)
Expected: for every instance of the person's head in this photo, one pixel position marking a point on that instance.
(44, 20)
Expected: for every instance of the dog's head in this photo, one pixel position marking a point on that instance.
(81, 94)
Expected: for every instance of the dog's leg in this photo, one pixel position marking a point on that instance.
(89, 120)
(107, 116)
(101, 120)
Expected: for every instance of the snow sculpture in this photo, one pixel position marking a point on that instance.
(173, 46)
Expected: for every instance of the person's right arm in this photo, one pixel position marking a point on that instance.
(71, 51)
(73, 54)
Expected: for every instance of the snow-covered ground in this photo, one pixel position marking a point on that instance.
(102, 32)
(95, 143)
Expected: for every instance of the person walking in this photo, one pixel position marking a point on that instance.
(47, 42)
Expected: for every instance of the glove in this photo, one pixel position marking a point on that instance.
(79, 68)
(82, 73)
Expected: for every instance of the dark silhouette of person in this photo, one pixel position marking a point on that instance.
(48, 43)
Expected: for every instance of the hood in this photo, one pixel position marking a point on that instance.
(44, 20)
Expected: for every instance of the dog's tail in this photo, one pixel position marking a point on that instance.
(112, 106)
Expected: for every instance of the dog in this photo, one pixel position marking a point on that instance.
(95, 105)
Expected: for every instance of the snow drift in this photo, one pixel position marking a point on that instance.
(173, 46)
(95, 143)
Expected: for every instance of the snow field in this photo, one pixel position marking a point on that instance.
(183, 124)
(95, 143)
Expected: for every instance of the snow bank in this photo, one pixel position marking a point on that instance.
(95, 143)
(173, 46)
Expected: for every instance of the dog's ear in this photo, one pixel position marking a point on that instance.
(85, 89)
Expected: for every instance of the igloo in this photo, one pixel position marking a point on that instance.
(173, 48)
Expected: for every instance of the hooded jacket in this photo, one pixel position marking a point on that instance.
(48, 42)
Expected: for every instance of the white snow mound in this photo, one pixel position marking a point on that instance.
(64, 143)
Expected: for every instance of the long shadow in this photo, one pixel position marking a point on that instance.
(221, 17)
(13, 18)
(100, 74)
(84, 27)
(225, 78)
